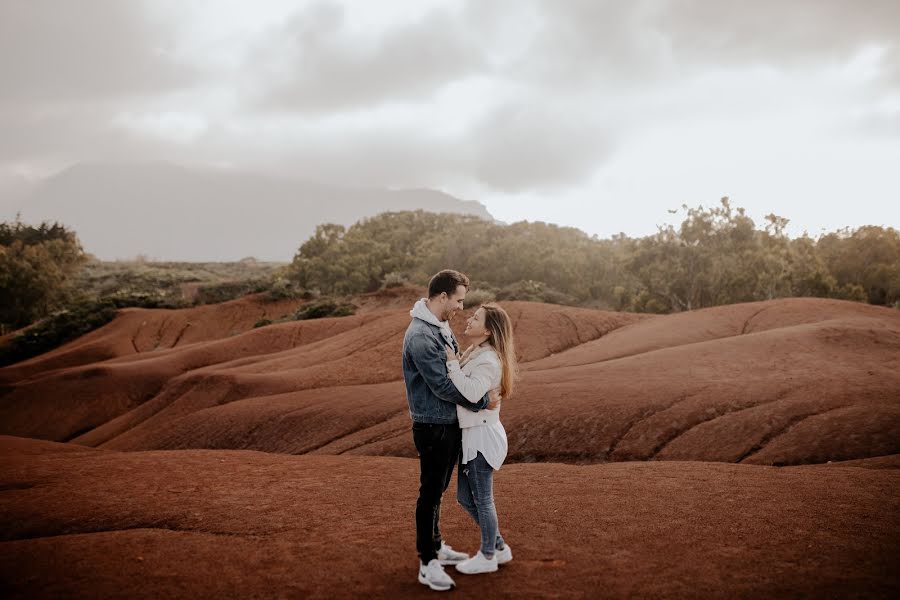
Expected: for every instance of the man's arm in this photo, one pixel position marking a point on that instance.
(429, 359)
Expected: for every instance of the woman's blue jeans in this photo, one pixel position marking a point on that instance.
(475, 493)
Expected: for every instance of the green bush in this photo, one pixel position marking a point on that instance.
(140, 300)
(534, 291)
(57, 329)
(37, 268)
(79, 317)
(323, 308)
(479, 297)
(230, 290)
(850, 291)
(394, 280)
(168, 279)
(285, 289)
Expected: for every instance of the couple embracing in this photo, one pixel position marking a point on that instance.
(454, 401)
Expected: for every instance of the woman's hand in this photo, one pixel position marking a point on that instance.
(494, 399)
(451, 353)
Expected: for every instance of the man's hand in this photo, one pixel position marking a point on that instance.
(451, 353)
(495, 398)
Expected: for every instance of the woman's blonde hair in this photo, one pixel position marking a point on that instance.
(500, 325)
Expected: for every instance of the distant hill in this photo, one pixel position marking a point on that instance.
(174, 212)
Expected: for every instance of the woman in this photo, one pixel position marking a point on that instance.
(490, 362)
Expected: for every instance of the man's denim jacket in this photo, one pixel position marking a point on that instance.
(431, 395)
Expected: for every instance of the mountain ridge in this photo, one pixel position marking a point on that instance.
(171, 211)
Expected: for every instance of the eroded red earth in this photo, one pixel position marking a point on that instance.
(186, 454)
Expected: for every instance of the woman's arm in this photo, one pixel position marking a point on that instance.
(474, 385)
(424, 353)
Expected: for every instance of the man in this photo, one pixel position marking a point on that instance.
(432, 399)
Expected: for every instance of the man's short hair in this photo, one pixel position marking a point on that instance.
(447, 281)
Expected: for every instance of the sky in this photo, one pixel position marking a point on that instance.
(601, 115)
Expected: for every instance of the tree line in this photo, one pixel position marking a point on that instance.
(716, 256)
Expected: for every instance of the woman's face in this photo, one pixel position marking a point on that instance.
(475, 325)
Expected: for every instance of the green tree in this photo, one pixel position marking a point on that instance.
(866, 258)
(809, 274)
(37, 265)
(715, 256)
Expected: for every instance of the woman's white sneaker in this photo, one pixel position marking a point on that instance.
(503, 556)
(478, 564)
(434, 576)
(448, 556)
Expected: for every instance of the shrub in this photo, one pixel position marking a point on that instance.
(229, 290)
(57, 329)
(479, 297)
(393, 280)
(37, 266)
(323, 308)
(285, 289)
(534, 291)
(850, 291)
(551, 296)
(142, 300)
(527, 290)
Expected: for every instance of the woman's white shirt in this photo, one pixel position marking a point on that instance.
(482, 430)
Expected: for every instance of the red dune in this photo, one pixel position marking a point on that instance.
(781, 382)
(651, 409)
(137, 392)
(140, 330)
(204, 523)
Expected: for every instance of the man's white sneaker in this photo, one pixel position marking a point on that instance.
(478, 564)
(503, 556)
(448, 556)
(434, 576)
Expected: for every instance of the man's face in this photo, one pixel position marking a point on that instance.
(453, 303)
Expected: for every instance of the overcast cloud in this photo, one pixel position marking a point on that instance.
(600, 115)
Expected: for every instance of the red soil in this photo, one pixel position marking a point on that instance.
(204, 523)
(136, 393)
(785, 382)
(140, 330)
(780, 382)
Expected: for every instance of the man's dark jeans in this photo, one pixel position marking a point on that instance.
(439, 447)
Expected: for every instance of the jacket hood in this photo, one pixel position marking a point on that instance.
(420, 311)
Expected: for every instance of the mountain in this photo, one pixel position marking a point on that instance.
(175, 212)
(14, 189)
